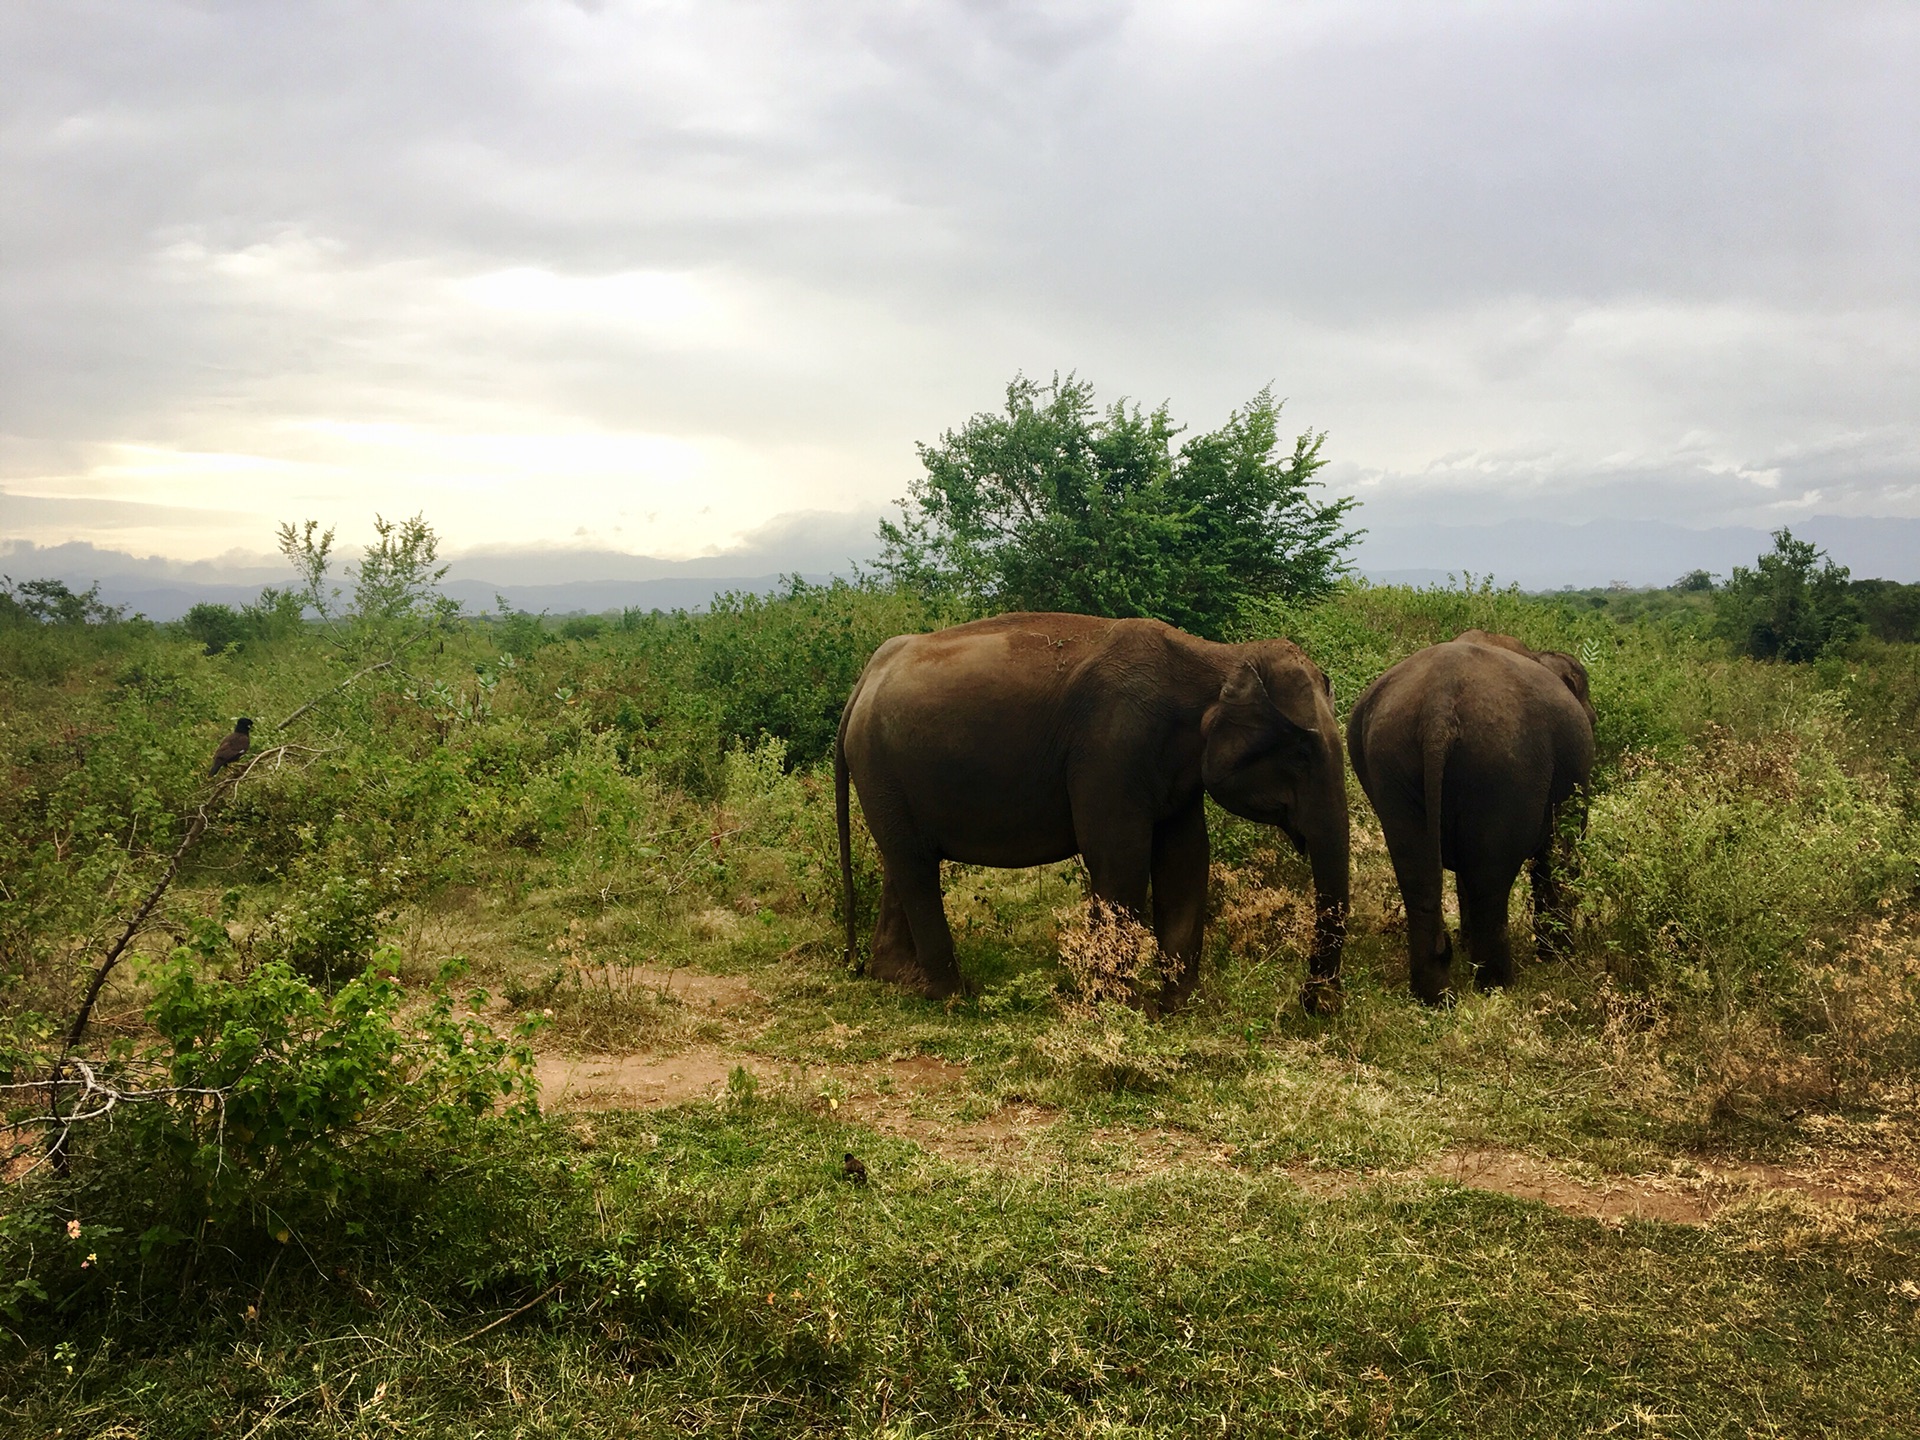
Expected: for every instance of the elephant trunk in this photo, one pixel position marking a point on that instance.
(1327, 847)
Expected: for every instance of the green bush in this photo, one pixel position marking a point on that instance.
(274, 616)
(1708, 873)
(258, 1107)
(1890, 610)
(1053, 505)
(1792, 605)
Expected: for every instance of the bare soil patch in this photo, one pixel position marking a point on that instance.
(923, 1099)
(719, 993)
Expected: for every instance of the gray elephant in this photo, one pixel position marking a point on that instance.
(1027, 739)
(1467, 752)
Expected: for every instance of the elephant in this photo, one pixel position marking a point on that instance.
(1468, 751)
(1027, 739)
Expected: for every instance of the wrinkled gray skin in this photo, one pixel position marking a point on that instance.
(1027, 739)
(1468, 751)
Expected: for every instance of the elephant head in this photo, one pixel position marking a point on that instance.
(1571, 672)
(1271, 753)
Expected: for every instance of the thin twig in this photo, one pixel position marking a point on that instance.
(511, 1314)
(385, 664)
(56, 1150)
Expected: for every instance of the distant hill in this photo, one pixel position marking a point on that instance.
(1542, 555)
(1534, 554)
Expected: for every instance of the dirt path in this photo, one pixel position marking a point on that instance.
(923, 1100)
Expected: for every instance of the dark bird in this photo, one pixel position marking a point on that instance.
(853, 1170)
(234, 746)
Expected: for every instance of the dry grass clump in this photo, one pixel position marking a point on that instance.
(1104, 1042)
(1851, 1038)
(600, 1004)
(1261, 919)
(1109, 956)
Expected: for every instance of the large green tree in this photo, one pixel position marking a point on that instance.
(1792, 605)
(1056, 504)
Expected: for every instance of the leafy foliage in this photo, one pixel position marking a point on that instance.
(1789, 606)
(276, 615)
(51, 602)
(314, 1089)
(1891, 611)
(1054, 505)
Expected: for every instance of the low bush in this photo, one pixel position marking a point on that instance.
(1710, 873)
(254, 1108)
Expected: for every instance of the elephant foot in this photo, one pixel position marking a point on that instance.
(896, 968)
(1322, 996)
(1487, 981)
(1441, 999)
(943, 989)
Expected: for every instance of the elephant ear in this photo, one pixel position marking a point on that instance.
(1571, 672)
(1252, 722)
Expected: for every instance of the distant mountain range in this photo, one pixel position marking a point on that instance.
(1534, 554)
(1542, 555)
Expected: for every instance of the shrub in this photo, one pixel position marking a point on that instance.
(274, 616)
(1709, 873)
(1785, 608)
(257, 1107)
(1052, 505)
(1891, 610)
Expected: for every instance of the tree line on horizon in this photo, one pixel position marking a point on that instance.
(1056, 503)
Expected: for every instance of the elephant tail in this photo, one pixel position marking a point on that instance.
(1436, 745)
(843, 819)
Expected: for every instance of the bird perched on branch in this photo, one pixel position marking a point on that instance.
(234, 746)
(853, 1170)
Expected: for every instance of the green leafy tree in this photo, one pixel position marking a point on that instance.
(1055, 504)
(1793, 605)
(397, 578)
(395, 585)
(51, 602)
(1891, 610)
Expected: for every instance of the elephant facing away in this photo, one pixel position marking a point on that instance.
(1027, 739)
(1467, 751)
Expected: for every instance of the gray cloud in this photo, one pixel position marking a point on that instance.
(1541, 259)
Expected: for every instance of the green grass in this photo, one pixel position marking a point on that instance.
(779, 1299)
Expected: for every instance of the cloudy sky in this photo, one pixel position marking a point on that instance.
(646, 277)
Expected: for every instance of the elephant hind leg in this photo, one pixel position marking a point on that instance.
(1429, 949)
(925, 961)
(1483, 925)
(893, 957)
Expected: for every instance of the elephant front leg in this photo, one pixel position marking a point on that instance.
(1552, 901)
(1552, 924)
(1180, 857)
(1120, 861)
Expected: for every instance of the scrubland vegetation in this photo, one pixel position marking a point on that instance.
(317, 1194)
